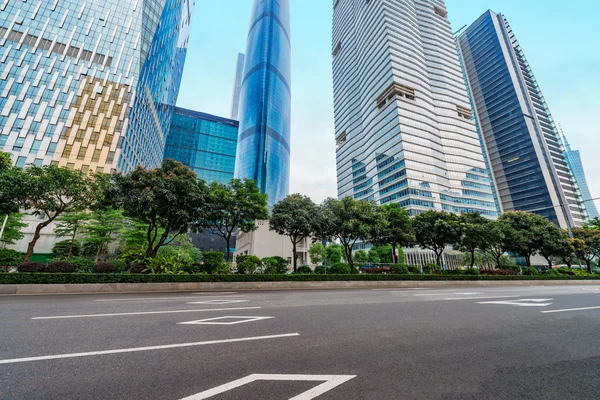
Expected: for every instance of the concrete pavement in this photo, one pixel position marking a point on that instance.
(407, 343)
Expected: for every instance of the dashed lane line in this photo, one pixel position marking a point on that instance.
(146, 313)
(571, 309)
(163, 298)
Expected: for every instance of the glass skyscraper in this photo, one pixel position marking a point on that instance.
(237, 87)
(205, 143)
(404, 126)
(574, 157)
(263, 152)
(523, 146)
(90, 84)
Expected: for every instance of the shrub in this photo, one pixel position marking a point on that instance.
(472, 271)
(104, 268)
(32, 266)
(304, 269)
(81, 264)
(275, 265)
(531, 271)
(247, 264)
(62, 267)
(133, 256)
(120, 265)
(412, 269)
(61, 249)
(340, 269)
(458, 272)
(10, 258)
(565, 271)
(320, 269)
(137, 268)
(498, 272)
(213, 261)
(376, 270)
(399, 269)
(431, 268)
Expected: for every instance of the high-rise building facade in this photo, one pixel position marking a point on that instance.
(404, 126)
(576, 164)
(90, 84)
(263, 152)
(524, 148)
(237, 87)
(205, 143)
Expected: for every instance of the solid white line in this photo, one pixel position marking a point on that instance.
(162, 298)
(146, 313)
(571, 309)
(446, 294)
(330, 382)
(399, 289)
(218, 302)
(148, 348)
(478, 298)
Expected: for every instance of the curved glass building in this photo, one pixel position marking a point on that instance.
(263, 152)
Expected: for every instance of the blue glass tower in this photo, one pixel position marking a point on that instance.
(205, 143)
(574, 157)
(263, 152)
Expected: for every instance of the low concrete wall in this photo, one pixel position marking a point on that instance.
(205, 286)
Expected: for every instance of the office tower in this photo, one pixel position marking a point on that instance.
(404, 126)
(524, 147)
(90, 84)
(574, 158)
(205, 143)
(237, 87)
(263, 152)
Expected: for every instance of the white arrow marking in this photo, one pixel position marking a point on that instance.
(521, 303)
(330, 382)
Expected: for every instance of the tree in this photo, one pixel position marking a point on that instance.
(524, 232)
(475, 229)
(554, 242)
(350, 221)
(234, 206)
(101, 231)
(294, 217)
(593, 224)
(397, 231)
(436, 230)
(5, 160)
(384, 252)
(571, 246)
(333, 254)
(12, 231)
(69, 225)
(361, 257)
(168, 199)
(317, 253)
(373, 257)
(50, 192)
(591, 245)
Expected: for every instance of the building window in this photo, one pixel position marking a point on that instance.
(393, 91)
(337, 49)
(465, 113)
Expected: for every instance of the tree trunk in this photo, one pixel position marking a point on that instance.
(528, 260)
(349, 259)
(36, 237)
(499, 261)
(294, 255)
(228, 244)
(394, 256)
(439, 259)
(473, 258)
(589, 265)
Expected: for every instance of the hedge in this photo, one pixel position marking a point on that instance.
(45, 278)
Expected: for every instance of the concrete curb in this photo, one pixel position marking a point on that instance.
(208, 286)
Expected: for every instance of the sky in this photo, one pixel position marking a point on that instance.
(560, 39)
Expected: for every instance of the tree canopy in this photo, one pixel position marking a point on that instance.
(436, 231)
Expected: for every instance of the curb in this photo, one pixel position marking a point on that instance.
(32, 289)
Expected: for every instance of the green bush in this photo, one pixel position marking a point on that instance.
(32, 266)
(60, 267)
(530, 271)
(10, 258)
(104, 268)
(137, 268)
(133, 256)
(399, 269)
(304, 269)
(213, 262)
(320, 269)
(81, 264)
(247, 264)
(412, 269)
(431, 268)
(340, 269)
(473, 271)
(61, 249)
(275, 265)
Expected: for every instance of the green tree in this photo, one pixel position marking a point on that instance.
(101, 230)
(593, 224)
(524, 232)
(294, 217)
(385, 252)
(436, 231)
(349, 221)
(333, 254)
(591, 245)
(275, 265)
(494, 242)
(571, 246)
(12, 231)
(373, 257)
(475, 229)
(168, 199)
(235, 206)
(70, 225)
(361, 257)
(397, 230)
(50, 192)
(5, 160)
(317, 253)
(554, 242)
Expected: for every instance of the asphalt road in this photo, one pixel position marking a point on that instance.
(452, 344)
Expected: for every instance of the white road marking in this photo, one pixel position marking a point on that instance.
(399, 289)
(521, 302)
(218, 302)
(148, 348)
(330, 382)
(478, 298)
(446, 294)
(161, 298)
(219, 320)
(147, 313)
(571, 309)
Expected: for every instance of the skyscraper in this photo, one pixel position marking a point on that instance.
(574, 157)
(524, 148)
(90, 84)
(205, 143)
(263, 152)
(404, 126)
(237, 87)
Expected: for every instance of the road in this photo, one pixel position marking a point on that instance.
(451, 344)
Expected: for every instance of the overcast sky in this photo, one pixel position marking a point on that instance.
(561, 40)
